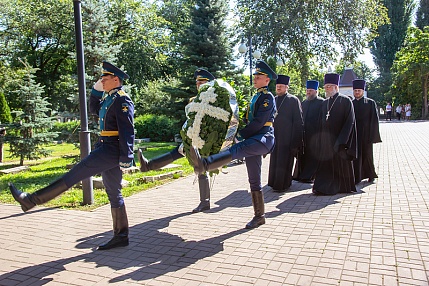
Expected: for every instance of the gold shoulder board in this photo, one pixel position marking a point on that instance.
(122, 93)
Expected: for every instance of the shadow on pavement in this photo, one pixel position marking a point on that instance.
(35, 210)
(152, 252)
(305, 203)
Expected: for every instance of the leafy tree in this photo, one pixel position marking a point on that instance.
(42, 33)
(145, 40)
(205, 44)
(152, 98)
(385, 46)
(303, 30)
(391, 36)
(422, 14)
(411, 70)
(33, 123)
(5, 115)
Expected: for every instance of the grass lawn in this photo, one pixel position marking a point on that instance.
(45, 170)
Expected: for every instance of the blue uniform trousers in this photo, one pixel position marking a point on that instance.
(103, 159)
(252, 150)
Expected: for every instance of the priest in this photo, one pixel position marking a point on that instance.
(337, 142)
(367, 132)
(288, 129)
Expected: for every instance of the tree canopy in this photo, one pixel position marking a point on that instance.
(411, 70)
(300, 31)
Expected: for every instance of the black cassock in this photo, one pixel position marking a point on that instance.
(337, 147)
(288, 127)
(367, 134)
(307, 159)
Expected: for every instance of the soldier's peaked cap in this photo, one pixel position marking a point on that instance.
(202, 74)
(110, 69)
(263, 68)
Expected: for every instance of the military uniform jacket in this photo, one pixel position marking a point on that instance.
(115, 110)
(260, 113)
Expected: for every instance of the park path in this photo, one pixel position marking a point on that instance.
(378, 236)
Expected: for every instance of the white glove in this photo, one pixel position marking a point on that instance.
(98, 85)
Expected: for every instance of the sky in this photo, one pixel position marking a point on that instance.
(367, 59)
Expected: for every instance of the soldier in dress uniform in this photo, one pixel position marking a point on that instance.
(258, 140)
(113, 152)
(201, 76)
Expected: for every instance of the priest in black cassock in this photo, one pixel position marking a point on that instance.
(288, 126)
(337, 142)
(306, 165)
(367, 132)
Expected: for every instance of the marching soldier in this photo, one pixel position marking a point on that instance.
(201, 76)
(258, 140)
(113, 152)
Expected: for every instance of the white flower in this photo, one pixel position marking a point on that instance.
(202, 109)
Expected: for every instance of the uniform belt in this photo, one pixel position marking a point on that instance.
(268, 124)
(106, 139)
(106, 133)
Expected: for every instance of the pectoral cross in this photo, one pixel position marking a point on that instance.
(327, 116)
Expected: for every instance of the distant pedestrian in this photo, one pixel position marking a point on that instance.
(398, 112)
(408, 111)
(389, 111)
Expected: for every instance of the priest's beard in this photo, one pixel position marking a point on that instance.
(329, 94)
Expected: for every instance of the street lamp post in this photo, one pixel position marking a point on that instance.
(242, 49)
(84, 138)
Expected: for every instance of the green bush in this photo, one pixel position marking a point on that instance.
(159, 128)
(67, 131)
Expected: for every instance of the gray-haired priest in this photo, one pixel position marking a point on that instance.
(337, 142)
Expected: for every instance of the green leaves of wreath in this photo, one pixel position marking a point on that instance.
(209, 115)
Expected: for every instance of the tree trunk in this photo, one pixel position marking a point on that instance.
(425, 96)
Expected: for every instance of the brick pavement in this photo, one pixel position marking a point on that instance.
(379, 236)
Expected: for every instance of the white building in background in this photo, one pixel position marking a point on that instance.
(346, 82)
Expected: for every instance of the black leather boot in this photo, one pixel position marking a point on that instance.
(28, 201)
(212, 162)
(204, 186)
(259, 208)
(120, 229)
(158, 162)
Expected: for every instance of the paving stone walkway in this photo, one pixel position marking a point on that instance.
(379, 236)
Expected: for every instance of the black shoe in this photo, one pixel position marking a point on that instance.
(203, 206)
(144, 163)
(371, 180)
(116, 241)
(22, 198)
(255, 222)
(317, 193)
